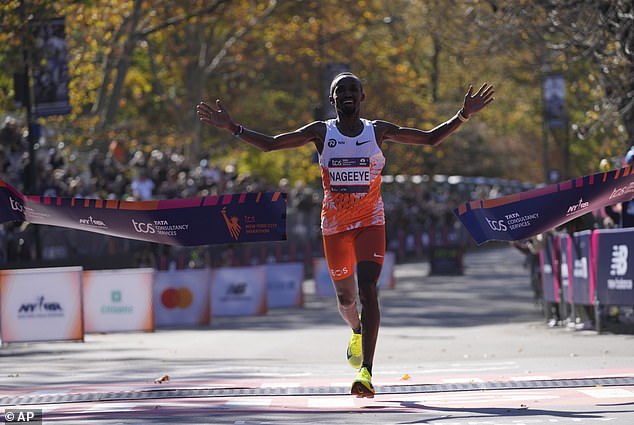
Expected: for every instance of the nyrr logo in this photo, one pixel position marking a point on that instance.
(141, 227)
(619, 260)
(332, 143)
(497, 225)
(577, 207)
(16, 205)
(40, 306)
(93, 222)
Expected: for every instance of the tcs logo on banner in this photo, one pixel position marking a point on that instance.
(497, 225)
(177, 298)
(16, 205)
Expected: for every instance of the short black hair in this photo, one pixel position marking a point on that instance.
(341, 75)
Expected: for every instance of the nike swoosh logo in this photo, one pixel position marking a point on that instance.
(363, 143)
(377, 255)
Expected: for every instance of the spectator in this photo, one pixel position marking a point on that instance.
(142, 186)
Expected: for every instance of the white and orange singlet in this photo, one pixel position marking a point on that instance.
(351, 175)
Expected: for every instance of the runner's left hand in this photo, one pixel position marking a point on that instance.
(475, 102)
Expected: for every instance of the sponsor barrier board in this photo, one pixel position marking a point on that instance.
(41, 304)
(118, 300)
(181, 298)
(285, 284)
(614, 257)
(239, 291)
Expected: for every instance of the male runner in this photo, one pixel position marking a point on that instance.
(352, 217)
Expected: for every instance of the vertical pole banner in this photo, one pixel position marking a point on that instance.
(239, 291)
(181, 298)
(548, 261)
(50, 68)
(564, 271)
(615, 266)
(41, 305)
(579, 257)
(285, 284)
(246, 217)
(526, 214)
(118, 300)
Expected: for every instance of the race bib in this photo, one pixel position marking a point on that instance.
(349, 175)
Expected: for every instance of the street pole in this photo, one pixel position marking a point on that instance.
(31, 185)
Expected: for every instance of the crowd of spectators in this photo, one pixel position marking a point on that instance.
(419, 209)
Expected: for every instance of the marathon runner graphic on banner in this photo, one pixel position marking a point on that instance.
(526, 214)
(246, 217)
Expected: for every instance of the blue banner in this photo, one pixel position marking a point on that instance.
(246, 217)
(526, 214)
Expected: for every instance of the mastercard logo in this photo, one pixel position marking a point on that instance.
(177, 298)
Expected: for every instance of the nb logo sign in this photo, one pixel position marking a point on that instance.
(580, 269)
(619, 260)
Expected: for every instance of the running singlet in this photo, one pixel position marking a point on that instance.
(351, 175)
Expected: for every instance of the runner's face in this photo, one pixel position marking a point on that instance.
(347, 95)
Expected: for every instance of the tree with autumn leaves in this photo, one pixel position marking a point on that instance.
(138, 68)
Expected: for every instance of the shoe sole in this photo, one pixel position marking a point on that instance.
(361, 391)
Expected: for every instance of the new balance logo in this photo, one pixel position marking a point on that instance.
(619, 260)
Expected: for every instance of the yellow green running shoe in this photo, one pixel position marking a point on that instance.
(362, 386)
(354, 352)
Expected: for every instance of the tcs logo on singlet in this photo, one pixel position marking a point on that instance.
(177, 298)
(339, 272)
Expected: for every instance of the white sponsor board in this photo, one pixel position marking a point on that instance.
(323, 281)
(239, 291)
(181, 298)
(118, 300)
(41, 304)
(285, 284)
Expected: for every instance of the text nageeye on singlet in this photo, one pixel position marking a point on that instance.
(349, 175)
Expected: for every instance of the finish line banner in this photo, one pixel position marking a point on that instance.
(246, 217)
(526, 214)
